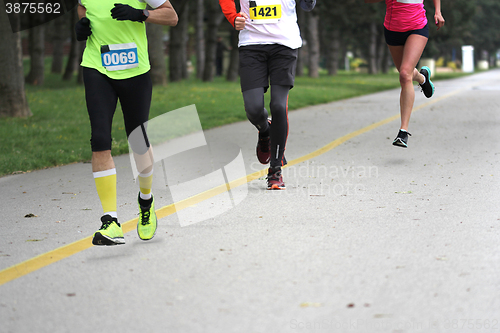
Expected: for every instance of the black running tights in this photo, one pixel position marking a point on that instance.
(257, 114)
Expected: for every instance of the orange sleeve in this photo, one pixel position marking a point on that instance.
(229, 9)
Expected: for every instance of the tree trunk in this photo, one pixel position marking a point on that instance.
(72, 63)
(383, 53)
(58, 46)
(36, 37)
(372, 49)
(156, 50)
(215, 18)
(81, 48)
(200, 39)
(177, 47)
(234, 57)
(13, 101)
(333, 50)
(301, 60)
(313, 44)
(184, 24)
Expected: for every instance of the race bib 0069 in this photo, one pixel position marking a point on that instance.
(116, 57)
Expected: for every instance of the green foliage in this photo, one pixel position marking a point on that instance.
(486, 30)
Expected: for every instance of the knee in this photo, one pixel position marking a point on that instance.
(100, 141)
(278, 108)
(405, 76)
(255, 112)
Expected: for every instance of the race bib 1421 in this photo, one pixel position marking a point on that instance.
(263, 11)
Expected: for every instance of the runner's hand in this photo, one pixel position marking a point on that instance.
(123, 12)
(438, 18)
(240, 21)
(82, 29)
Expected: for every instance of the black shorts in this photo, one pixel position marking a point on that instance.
(261, 63)
(396, 38)
(102, 94)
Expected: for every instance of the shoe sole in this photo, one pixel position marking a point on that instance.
(399, 143)
(430, 82)
(100, 239)
(276, 187)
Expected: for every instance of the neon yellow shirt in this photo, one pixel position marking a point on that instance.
(118, 49)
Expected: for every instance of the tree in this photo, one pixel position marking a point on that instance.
(458, 30)
(13, 101)
(74, 52)
(302, 56)
(332, 48)
(234, 56)
(215, 18)
(36, 36)
(178, 38)
(487, 27)
(58, 38)
(335, 17)
(200, 39)
(156, 50)
(313, 44)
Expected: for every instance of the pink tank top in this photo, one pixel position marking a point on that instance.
(404, 15)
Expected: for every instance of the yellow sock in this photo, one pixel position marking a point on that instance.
(105, 183)
(145, 184)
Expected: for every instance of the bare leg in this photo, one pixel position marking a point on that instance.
(102, 160)
(406, 58)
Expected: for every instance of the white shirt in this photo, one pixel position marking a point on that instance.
(284, 31)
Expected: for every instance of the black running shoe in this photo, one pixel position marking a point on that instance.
(264, 148)
(428, 86)
(275, 179)
(402, 139)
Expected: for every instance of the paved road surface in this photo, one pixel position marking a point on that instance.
(366, 238)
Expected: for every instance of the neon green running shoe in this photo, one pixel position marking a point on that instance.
(110, 232)
(146, 227)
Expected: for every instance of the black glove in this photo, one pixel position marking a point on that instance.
(307, 5)
(82, 29)
(123, 12)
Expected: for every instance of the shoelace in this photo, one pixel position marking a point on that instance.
(105, 225)
(274, 176)
(145, 214)
(264, 144)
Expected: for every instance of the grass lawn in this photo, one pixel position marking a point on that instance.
(58, 133)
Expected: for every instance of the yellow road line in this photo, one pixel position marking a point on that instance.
(45, 259)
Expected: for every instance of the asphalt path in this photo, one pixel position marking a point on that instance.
(367, 237)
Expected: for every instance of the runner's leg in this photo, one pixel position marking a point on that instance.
(101, 104)
(255, 110)
(279, 129)
(406, 58)
(135, 98)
